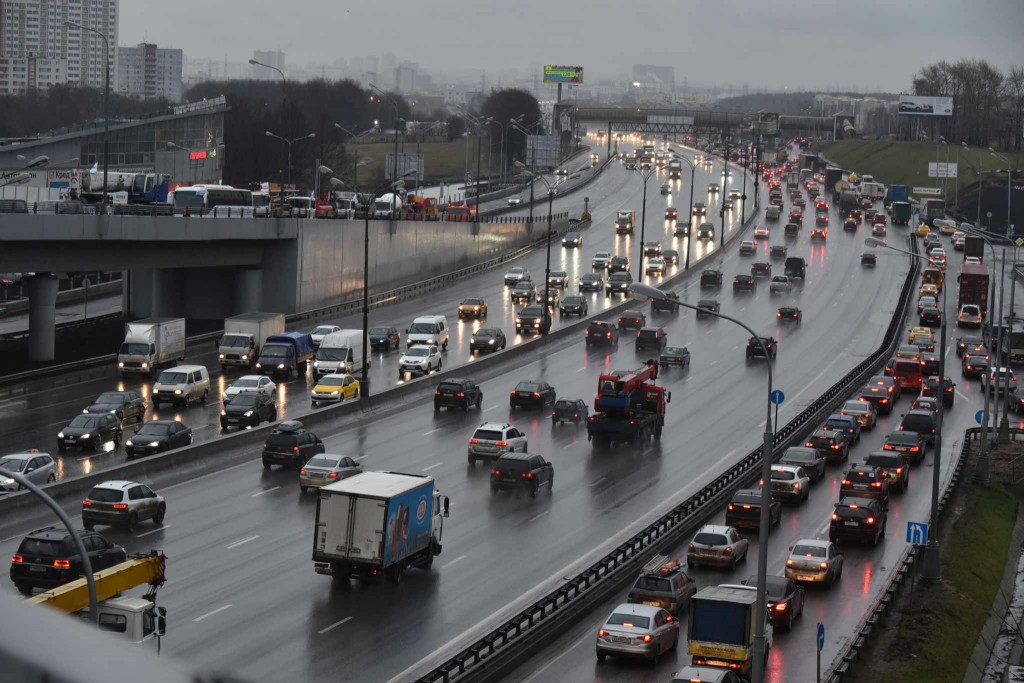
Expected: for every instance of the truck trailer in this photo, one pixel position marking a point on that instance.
(151, 344)
(378, 524)
(244, 336)
(973, 286)
(720, 630)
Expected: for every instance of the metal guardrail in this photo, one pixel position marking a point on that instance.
(496, 653)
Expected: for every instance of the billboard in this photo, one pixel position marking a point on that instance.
(563, 74)
(543, 151)
(924, 105)
(407, 161)
(768, 123)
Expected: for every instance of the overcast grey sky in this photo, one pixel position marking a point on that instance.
(764, 43)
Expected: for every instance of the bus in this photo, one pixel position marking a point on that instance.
(930, 209)
(211, 201)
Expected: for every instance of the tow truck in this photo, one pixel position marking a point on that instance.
(139, 620)
(628, 407)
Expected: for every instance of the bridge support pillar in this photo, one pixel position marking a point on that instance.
(248, 290)
(42, 310)
(165, 293)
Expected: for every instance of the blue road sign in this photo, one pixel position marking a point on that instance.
(917, 533)
(979, 416)
(778, 397)
(821, 637)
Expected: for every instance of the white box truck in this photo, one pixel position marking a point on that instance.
(150, 344)
(378, 524)
(244, 336)
(340, 352)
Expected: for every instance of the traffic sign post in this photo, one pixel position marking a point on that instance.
(777, 398)
(917, 533)
(979, 416)
(821, 644)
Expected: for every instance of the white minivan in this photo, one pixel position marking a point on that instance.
(772, 213)
(428, 329)
(340, 352)
(181, 385)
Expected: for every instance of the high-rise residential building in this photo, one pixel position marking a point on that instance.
(149, 72)
(39, 48)
(272, 58)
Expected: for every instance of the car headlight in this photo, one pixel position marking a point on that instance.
(490, 341)
(408, 342)
(223, 413)
(519, 320)
(60, 435)
(220, 356)
(247, 413)
(316, 364)
(333, 393)
(120, 365)
(245, 357)
(259, 365)
(154, 444)
(177, 392)
(128, 442)
(85, 436)
(280, 366)
(145, 365)
(6, 482)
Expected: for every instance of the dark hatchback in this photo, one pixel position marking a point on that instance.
(90, 431)
(384, 338)
(48, 558)
(573, 410)
(457, 393)
(247, 410)
(895, 467)
(785, 599)
(157, 436)
(831, 444)
(523, 472)
(651, 338)
(532, 393)
(911, 445)
(601, 333)
(744, 510)
(857, 519)
(487, 339)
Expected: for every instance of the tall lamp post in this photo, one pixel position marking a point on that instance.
(258, 63)
(526, 139)
(394, 105)
(289, 143)
(646, 175)
(106, 105)
(689, 216)
(721, 194)
(931, 570)
(353, 137)
(642, 292)
(1009, 183)
(546, 325)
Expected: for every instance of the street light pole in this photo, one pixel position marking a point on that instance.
(546, 325)
(725, 176)
(981, 472)
(642, 292)
(106, 106)
(646, 175)
(289, 143)
(689, 216)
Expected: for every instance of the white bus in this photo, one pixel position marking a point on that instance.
(215, 201)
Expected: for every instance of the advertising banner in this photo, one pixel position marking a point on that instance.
(768, 123)
(542, 151)
(563, 74)
(407, 161)
(924, 105)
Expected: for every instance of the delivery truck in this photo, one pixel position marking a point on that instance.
(243, 338)
(624, 222)
(151, 344)
(286, 353)
(340, 352)
(973, 288)
(378, 524)
(720, 630)
(895, 193)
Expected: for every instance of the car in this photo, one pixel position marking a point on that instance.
(569, 410)
(908, 352)
(457, 393)
(327, 468)
(997, 379)
(522, 471)
(533, 319)
(710, 278)
(819, 233)
(974, 366)
(780, 283)
(472, 308)
(865, 481)
(618, 264)
(858, 519)
(791, 229)
(747, 247)
(38, 468)
(516, 274)
(974, 260)
(862, 411)
(259, 384)
(384, 337)
(590, 282)
(632, 320)
(290, 444)
(790, 483)
(930, 238)
(548, 297)
(655, 266)
(618, 283)
(700, 209)
(959, 243)
(790, 313)
(671, 213)
(487, 339)
(777, 251)
(812, 560)
(600, 333)
(930, 316)
(925, 301)
(558, 278)
(90, 430)
(249, 409)
(847, 424)
(671, 256)
(744, 510)
(642, 631)
(970, 316)
(678, 356)
(562, 172)
(515, 200)
(523, 292)
(122, 503)
(918, 333)
(665, 188)
(761, 232)
(928, 290)
(573, 305)
(744, 282)
(923, 402)
(572, 239)
(727, 205)
(705, 232)
(663, 583)
(681, 229)
(532, 393)
(600, 260)
(785, 599)
(931, 387)
(910, 444)
(491, 440)
(158, 436)
(48, 557)
(318, 333)
(651, 338)
(126, 405)
(713, 188)
(833, 445)
(757, 347)
(878, 230)
(717, 546)
(868, 259)
(419, 359)
(761, 269)
(809, 459)
(894, 466)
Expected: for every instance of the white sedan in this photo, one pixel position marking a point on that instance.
(254, 384)
(515, 200)
(655, 266)
(780, 283)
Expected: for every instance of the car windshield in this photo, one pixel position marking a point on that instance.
(40, 547)
(172, 378)
(246, 383)
(85, 421)
(808, 550)
(474, 302)
(332, 354)
(244, 400)
(275, 351)
(421, 328)
(383, 331)
(134, 349)
(572, 300)
(417, 352)
(515, 271)
(324, 461)
(330, 381)
(487, 332)
(323, 331)
(487, 435)
(13, 464)
(860, 476)
(111, 397)
(631, 620)
(234, 341)
(705, 538)
(154, 429)
(903, 438)
(104, 495)
(880, 460)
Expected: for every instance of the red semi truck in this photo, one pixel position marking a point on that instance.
(973, 286)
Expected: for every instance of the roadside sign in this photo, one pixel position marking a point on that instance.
(979, 416)
(917, 533)
(778, 397)
(821, 637)
(927, 190)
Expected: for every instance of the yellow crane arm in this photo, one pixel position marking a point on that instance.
(138, 570)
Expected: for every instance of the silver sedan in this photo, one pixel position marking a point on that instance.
(637, 631)
(814, 561)
(327, 468)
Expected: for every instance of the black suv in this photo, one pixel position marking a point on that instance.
(744, 282)
(290, 444)
(618, 283)
(910, 445)
(895, 466)
(710, 278)
(457, 393)
(522, 471)
(707, 305)
(744, 510)
(857, 519)
(618, 264)
(920, 421)
(761, 269)
(865, 481)
(124, 404)
(795, 267)
(930, 387)
(531, 393)
(602, 334)
(651, 338)
(573, 305)
(754, 349)
(48, 558)
(670, 303)
(533, 319)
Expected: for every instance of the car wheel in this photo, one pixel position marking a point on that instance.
(471, 458)
(266, 465)
(52, 478)
(600, 655)
(437, 408)
(97, 443)
(26, 589)
(133, 521)
(202, 399)
(161, 512)
(526, 446)
(89, 526)
(303, 489)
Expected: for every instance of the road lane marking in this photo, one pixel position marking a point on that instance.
(735, 347)
(582, 369)
(963, 395)
(153, 531)
(244, 540)
(432, 431)
(571, 444)
(430, 467)
(538, 516)
(210, 614)
(260, 493)
(487, 410)
(709, 332)
(713, 363)
(334, 625)
(460, 558)
(598, 482)
(360, 457)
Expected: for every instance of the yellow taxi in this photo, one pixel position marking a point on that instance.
(334, 388)
(929, 290)
(920, 333)
(945, 226)
(922, 229)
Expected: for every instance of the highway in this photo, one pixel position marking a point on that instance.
(33, 420)
(242, 593)
(79, 310)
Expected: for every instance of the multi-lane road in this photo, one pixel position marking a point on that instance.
(244, 598)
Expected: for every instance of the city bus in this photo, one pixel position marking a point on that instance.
(211, 201)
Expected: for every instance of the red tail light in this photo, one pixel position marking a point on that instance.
(302, 472)
(876, 484)
(18, 559)
(648, 638)
(87, 503)
(120, 506)
(437, 393)
(846, 482)
(780, 607)
(501, 443)
(496, 472)
(728, 550)
(536, 394)
(871, 520)
(835, 517)
(824, 565)
(473, 441)
(460, 395)
(295, 450)
(332, 475)
(512, 393)
(731, 507)
(527, 475)
(264, 445)
(789, 563)
(62, 564)
(601, 633)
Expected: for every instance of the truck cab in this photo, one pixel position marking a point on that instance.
(135, 620)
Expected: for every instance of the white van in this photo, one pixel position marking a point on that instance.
(428, 329)
(340, 352)
(181, 385)
(772, 213)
